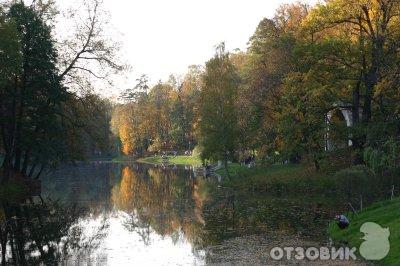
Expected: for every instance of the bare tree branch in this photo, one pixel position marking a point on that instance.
(88, 52)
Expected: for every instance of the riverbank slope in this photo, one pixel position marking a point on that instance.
(384, 213)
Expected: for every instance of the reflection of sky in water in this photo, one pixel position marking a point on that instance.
(124, 247)
(144, 215)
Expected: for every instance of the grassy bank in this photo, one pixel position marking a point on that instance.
(178, 160)
(275, 177)
(308, 200)
(387, 215)
(122, 159)
(287, 200)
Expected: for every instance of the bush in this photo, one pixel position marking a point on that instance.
(384, 159)
(356, 180)
(336, 160)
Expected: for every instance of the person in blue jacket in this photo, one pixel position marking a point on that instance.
(342, 221)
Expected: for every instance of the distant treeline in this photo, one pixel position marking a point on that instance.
(313, 81)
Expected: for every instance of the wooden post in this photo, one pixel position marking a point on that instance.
(392, 196)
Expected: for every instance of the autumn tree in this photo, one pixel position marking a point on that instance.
(184, 110)
(269, 59)
(369, 29)
(218, 131)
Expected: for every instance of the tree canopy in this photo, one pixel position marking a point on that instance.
(314, 79)
(43, 120)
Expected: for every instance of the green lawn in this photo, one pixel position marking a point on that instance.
(387, 215)
(233, 168)
(178, 160)
(288, 177)
(237, 170)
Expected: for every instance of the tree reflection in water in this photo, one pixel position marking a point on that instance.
(160, 201)
(44, 233)
(141, 215)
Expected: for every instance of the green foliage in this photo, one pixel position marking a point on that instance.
(384, 159)
(336, 160)
(283, 98)
(291, 178)
(159, 118)
(180, 125)
(90, 124)
(355, 180)
(42, 123)
(31, 124)
(10, 45)
(218, 130)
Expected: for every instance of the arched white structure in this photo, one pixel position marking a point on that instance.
(348, 117)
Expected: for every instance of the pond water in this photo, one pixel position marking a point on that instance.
(104, 213)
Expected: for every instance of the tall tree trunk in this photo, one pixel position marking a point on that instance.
(33, 230)
(316, 165)
(40, 172)
(17, 159)
(10, 223)
(8, 130)
(367, 110)
(3, 239)
(355, 110)
(25, 163)
(13, 254)
(372, 76)
(32, 170)
(357, 141)
(20, 236)
(226, 165)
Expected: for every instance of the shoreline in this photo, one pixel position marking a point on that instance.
(177, 160)
(385, 213)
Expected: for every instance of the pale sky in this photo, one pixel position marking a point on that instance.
(163, 37)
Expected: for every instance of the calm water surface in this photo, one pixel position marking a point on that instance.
(135, 213)
(104, 213)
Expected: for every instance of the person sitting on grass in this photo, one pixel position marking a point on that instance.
(342, 221)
